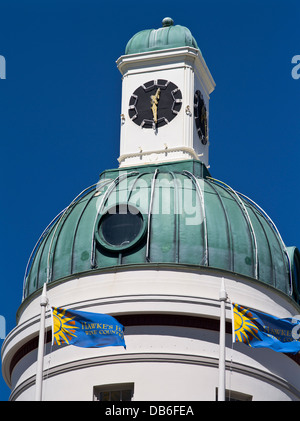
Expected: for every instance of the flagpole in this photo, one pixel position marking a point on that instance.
(222, 298)
(40, 358)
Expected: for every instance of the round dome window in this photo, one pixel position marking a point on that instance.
(120, 227)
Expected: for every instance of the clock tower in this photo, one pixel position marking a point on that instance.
(165, 97)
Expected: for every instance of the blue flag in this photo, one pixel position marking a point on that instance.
(261, 330)
(84, 329)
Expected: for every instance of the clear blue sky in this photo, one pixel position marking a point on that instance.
(60, 108)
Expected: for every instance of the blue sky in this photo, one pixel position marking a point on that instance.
(60, 108)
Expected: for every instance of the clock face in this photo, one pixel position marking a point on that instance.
(155, 104)
(200, 114)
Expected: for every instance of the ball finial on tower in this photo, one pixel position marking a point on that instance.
(167, 22)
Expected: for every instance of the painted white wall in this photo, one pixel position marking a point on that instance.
(187, 356)
(164, 364)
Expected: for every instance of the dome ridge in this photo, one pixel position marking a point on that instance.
(179, 215)
(168, 36)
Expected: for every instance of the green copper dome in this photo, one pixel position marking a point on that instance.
(169, 36)
(168, 215)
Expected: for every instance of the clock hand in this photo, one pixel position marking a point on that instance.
(154, 104)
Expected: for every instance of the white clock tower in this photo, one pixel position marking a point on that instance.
(165, 97)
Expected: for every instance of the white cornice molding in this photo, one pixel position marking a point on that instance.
(167, 357)
(164, 152)
(187, 56)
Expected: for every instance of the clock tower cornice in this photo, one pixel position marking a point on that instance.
(172, 58)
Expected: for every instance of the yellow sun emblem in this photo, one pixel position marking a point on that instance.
(244, 326)
(63, 326)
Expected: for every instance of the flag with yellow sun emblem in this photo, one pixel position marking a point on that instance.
(261, 330)
(85, 329)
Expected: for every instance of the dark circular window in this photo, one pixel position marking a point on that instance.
(122, 226)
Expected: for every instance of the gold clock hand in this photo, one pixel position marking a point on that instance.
(154, 104)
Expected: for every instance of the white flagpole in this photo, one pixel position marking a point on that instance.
(222, 298)
(40, 358)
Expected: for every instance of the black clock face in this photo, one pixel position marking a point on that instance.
(155, 104)
(200, 114)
